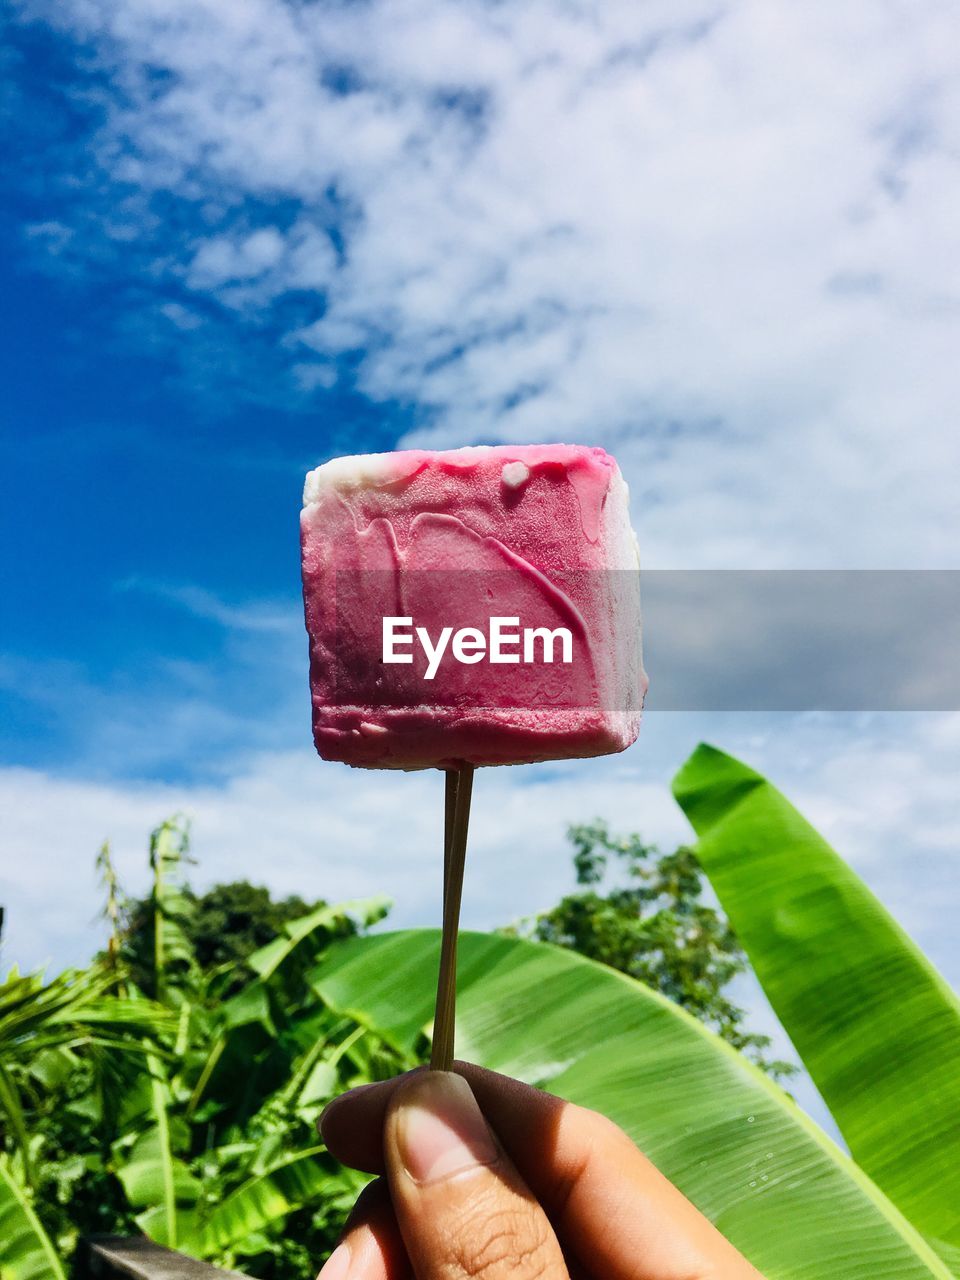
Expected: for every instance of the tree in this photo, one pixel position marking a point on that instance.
(654, 927)
(224, 926)
(233, 920)
(219, 929)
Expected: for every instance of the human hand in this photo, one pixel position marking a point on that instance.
(540, 1190)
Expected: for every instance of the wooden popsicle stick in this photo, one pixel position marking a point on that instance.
(458, 793)
(451, 783)
(450, 814)
(457, 814)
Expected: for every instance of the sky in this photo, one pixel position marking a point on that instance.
(243, 236)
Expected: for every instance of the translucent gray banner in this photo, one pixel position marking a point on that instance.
(802, 640)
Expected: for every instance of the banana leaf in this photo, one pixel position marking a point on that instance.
(173, 951)
(41, 1022)
(301, 1179)
(153, 1179)
(150, 1176)
(73, 1007)
(730, 1138)
(11, 1107)
(302, 932)
(26, 1251)
(876, 1025)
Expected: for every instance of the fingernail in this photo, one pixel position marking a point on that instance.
(337, 1266)
(440, 1129)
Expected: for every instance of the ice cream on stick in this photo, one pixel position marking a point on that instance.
(539, 533)
(470, 607)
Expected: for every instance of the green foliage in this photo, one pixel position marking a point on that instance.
(654, 927)
(721, 1129)
(26, 1248)
(234, 920)
(174, 1091)
(223, 926)
(877, 1026)
(66, 1046)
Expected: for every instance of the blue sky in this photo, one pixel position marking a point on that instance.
(246, 235)
(157, 469)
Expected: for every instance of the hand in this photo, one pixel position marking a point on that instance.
(540, 1190)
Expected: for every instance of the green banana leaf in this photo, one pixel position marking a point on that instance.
(150, 1176)
(730, 1138)
(876, 1025)
(301, 1179)
(26, 1251)
(153, 1179)
(72, 1008)
(301, 932)
(11, 1107)
(172, 909)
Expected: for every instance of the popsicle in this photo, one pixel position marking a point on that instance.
(537, 536)
(469, 607)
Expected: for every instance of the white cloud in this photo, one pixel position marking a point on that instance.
(882, 788)
(220, 260)
(288, 820)
(253, 267)
(308, 375)
(181, 317)
(724, 241)
(54, 236)
(253, 615)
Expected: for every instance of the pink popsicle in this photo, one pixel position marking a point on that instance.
(535, 535)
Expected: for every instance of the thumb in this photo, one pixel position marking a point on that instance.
(463, 1210)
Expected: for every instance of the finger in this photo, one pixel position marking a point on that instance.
(370, 1247)
(612, 1209)
(463, 1210)
(618, 1214)
(351, 1126)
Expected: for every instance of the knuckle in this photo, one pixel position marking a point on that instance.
(595, 1137)
(498, 1240)
(600, 1129)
